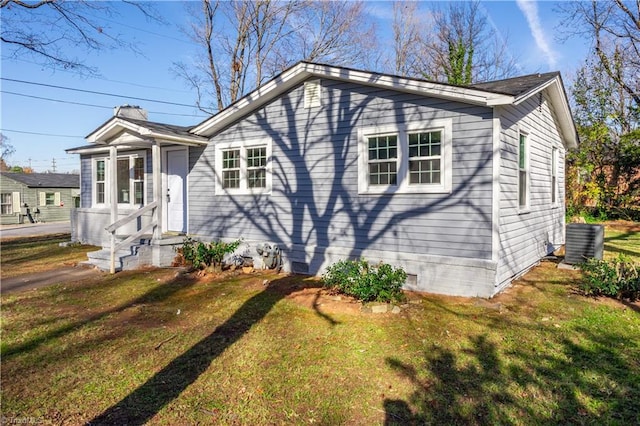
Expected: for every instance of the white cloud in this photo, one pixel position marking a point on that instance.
(530, 11)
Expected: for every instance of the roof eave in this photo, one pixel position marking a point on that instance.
(561, 106)
(115, 126)
(305, 70)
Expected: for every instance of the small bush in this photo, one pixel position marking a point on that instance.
(619, 278)
(357, 278)
(203, 255)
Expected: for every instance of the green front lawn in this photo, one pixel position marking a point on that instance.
(160, 347)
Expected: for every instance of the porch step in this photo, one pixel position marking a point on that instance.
(137, 254)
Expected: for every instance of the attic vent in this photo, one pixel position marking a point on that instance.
(312, 94)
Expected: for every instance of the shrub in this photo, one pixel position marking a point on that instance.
(202, 255)
(618, 278)
(357, 278)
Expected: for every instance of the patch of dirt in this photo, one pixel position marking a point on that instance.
(623, 225)
(324, 301)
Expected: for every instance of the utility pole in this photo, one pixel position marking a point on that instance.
(29, 162)
(53, 164)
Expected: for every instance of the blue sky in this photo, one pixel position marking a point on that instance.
(40, 130)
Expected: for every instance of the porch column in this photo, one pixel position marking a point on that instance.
(113, 176)
(157, 188)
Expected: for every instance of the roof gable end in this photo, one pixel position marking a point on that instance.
(306, 70)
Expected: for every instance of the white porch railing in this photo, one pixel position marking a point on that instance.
(125, 220)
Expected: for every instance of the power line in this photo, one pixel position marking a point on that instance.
(91, 105)
(41, 134)
(102, 78)
(54, 100)
(96, 93)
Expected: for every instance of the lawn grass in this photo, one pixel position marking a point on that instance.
(37, 254)
(162, 347)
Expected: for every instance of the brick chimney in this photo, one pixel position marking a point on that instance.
(130, 111)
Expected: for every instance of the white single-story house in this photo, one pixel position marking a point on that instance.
(463, 187)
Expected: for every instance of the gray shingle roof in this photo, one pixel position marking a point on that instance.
(517, 85)
(162, 127)
(45, 180)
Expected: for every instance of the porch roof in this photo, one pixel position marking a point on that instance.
(145, 130)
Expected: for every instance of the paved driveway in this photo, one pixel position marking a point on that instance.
(64, 274)
(33, 229)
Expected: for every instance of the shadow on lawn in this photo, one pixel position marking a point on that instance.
(158, 293)
(577, 384)
(144, 402)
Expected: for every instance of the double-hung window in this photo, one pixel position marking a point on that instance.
(231, 168)
(425, 159)
(100, 179)
(130, 179)
(243, 167)
(523, 172)
(383, 160)
(6, 203)
(415, 158)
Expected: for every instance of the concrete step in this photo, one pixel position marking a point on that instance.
(124, 259)
(131, 257)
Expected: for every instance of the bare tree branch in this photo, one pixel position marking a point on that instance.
(47, 30)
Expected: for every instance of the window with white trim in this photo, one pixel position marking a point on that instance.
(257, 167)
(425, 158)
(6, 203)
(383, 160)
(243, 167)
(130, 179)
(100, 179)
(554, 175)
(415, 158)
(523, 172)
(50, 199)
(231, 168)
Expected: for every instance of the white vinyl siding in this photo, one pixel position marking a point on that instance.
(526, 238)
(316, 198)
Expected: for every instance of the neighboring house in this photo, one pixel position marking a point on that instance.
(461, 186)
(42, 197)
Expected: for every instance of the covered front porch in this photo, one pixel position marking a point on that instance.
(133, 190)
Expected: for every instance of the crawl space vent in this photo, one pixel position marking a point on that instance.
(299, 267)
(312, 94)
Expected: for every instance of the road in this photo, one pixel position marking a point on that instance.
(32, 229)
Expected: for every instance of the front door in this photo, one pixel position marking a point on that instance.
(176, 190)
